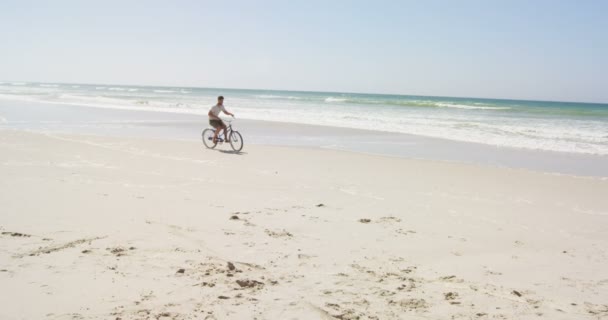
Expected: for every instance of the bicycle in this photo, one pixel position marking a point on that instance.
(234, 137)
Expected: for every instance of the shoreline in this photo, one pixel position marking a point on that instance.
(143, 123)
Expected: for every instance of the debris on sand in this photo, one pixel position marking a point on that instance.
(231, 266)
(411, 304)
(279, 234)
(246, 283)
(181, 271)
(16, 234)
(365, 220)
(450, 295)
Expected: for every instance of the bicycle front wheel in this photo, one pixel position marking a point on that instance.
(208, 138)
(236, 141)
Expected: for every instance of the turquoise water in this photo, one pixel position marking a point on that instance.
(540, 125)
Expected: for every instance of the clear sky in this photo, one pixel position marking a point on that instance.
(547, 50)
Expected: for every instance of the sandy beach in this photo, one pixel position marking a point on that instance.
(97, 227)
(395, 160)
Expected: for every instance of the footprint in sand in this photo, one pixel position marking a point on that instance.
(419, 305)
(51, 249)
(247, 283)
(302, 256)
(246, 222)
(452, 278)
(405, 232)
(16, 234)
(389, 219)
(451, 297)
(600, 311)
(278, 234)
(489, 272)
(120, 251)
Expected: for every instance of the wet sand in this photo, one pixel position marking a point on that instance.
(55, 118)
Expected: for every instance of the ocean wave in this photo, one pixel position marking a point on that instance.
(49, 85)
(164, 91)
(332, 99)
(465, 106)
(184, 91)
(133, 90)
(100, 88)
(413, 103)
(108, 103)
(390, 102)
(117, 89)
(270, 96)
(75, 86)
(19, 83)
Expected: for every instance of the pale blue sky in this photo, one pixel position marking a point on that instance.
(548, 50)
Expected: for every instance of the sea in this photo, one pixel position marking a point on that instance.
(570, 127)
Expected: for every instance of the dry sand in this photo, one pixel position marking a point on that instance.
(110, 228)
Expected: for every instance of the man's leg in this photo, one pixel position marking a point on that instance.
(215, 133)
(224, 129)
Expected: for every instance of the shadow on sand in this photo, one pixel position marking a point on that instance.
(240, 153)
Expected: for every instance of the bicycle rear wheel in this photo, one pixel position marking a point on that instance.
(236, 141)
(208, 138)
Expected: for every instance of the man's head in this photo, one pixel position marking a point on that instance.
(220, 100)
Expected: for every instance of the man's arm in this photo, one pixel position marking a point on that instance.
(228, 113)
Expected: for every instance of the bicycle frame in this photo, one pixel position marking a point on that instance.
(226, 133)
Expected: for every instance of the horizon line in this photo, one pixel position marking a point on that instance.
(306, 91)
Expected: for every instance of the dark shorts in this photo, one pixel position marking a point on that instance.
(216, 123)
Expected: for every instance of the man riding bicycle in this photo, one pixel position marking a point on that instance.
(214, 118)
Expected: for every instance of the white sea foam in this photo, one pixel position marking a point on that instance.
(184, 91)
(133, 90)
(469, 107)
(17, 97)
(271, 96)
(332, 99)
(164, 91)
(49, 85)
(117, 89)
(19, 83)
(75, 86)
(100, 88)
(107, 103)
(563, 137)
